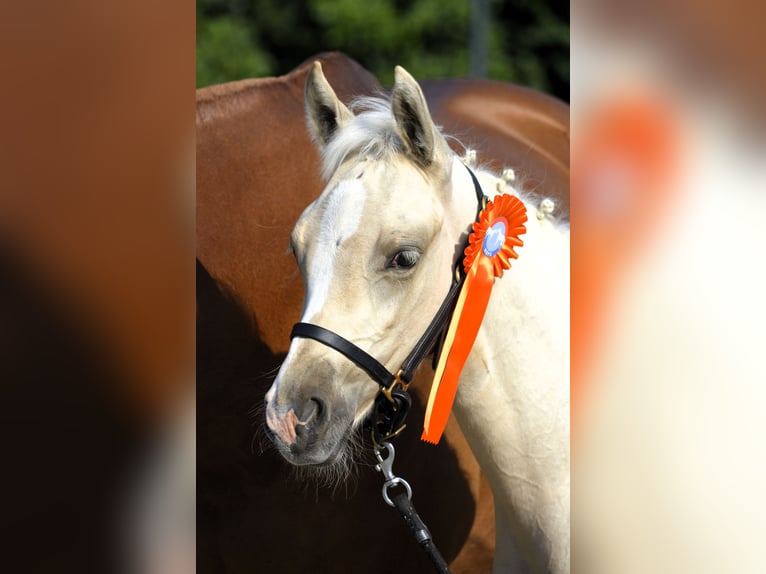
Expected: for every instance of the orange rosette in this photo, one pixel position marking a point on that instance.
(489, 253)
(509, 211)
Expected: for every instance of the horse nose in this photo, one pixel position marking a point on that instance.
(297, 427)
(309, 418)
(311, 410)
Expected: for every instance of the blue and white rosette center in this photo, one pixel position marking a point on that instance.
(494, 239)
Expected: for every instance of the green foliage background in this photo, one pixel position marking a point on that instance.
(528, 39)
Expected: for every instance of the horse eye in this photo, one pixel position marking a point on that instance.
(404, 260)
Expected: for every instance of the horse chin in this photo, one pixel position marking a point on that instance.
(328, 462)
(336, 469)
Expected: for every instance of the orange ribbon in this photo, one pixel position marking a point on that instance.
(489, 251)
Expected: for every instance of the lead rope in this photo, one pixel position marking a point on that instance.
(403, 503)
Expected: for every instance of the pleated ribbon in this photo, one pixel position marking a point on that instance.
(490, 249)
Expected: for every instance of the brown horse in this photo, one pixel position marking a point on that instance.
(252, 514)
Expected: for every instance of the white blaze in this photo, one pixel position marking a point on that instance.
(339, 222)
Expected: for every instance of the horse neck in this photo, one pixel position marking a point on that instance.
(513, 399)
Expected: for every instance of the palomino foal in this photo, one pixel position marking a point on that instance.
(377, 251)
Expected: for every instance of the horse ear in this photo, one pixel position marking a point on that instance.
(325, 113)
(413, 121)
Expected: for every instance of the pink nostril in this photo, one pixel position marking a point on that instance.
(283, 427)
(293, 426)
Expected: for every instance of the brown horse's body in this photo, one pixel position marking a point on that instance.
(509, 126)
(256, 171)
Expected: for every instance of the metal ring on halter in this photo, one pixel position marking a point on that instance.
(397, 381)
(393, 482)
(386, 438)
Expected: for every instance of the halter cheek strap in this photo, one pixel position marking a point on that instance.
(431, 339)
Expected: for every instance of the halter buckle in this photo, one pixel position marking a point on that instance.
(381, 440)
(397, 381)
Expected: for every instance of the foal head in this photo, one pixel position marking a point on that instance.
(375, 250)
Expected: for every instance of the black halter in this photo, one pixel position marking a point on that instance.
(389, 414)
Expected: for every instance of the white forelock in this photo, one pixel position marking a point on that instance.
(372, 133)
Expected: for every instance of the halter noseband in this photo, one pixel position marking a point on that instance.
(390, 413)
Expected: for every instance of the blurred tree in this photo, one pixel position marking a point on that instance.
(227, 50)
(528, 40)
